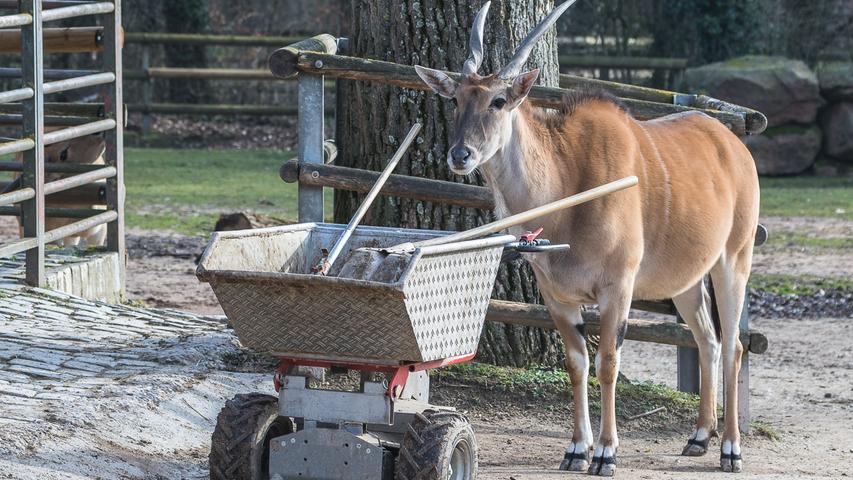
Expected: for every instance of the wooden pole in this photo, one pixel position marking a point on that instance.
(655, 331)
(57, 40)
(358, 180)
(282, 65)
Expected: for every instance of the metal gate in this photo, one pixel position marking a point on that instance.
(29, 200)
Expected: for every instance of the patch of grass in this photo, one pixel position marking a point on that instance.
(759, 428)
(185, 190)
(632, 398)
(798, 239)
(807, 196)
(798, 285)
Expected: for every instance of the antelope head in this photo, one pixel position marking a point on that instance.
(485, 104)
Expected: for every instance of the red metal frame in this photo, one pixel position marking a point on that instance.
(399, 373)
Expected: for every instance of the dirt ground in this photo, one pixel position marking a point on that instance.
(802, 388)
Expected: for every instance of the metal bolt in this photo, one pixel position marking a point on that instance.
(284, 443)
(318, 64)
(367, 451)
(315, 174)
(292, 440)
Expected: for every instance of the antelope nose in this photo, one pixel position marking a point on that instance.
(459, 155)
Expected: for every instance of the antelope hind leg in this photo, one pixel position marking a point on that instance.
(694, 305)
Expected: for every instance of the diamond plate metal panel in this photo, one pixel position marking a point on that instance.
(362, 323)
(447, 296)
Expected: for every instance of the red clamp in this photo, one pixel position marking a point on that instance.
(530, 236)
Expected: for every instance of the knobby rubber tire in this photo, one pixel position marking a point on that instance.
(239, 447)
(428, 446)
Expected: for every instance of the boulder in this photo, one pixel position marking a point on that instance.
(836, 80)
(837, 124)
(785, 150)
(785, 90)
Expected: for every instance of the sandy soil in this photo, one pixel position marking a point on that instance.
(802, 387)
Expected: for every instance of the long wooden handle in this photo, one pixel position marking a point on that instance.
(523, 217)
(368, 200)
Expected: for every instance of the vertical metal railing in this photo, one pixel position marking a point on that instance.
(28, 200)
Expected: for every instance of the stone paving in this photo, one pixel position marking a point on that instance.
(96, 390)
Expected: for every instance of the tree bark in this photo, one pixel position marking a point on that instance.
(375, 118)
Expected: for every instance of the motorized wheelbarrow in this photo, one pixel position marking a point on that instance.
(430, 316)
(427, 315)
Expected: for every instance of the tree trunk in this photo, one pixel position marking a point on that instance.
(186, 16)
(375, 118)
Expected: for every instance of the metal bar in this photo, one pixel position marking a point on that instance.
(79, 180)
(71, 133)
(17, 196)
(14, 211)
(45, 4)
(49, 120)
(310, 149)
(79, 226)
(16, 20)
(16, 95)
(16, 146)
(687, 360)
(114, 139)
(32, 210)
(77, 10)
(52, 74)
(368, 199)
(17, 247)
(52, 167)
(79, 82)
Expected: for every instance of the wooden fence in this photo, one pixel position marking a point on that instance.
(310, 60)
(26, 107)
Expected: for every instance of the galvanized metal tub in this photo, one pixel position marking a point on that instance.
(434, 310)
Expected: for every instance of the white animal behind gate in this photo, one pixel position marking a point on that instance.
(88, 150)
(695, 212)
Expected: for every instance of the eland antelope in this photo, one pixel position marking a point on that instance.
(83, 150)
(694, 213)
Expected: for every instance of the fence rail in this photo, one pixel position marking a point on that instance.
(25, 197)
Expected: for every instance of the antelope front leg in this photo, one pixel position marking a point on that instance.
(570, 324)
(614, 324)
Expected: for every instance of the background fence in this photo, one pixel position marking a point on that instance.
(26, 106)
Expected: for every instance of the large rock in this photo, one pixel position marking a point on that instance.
(837, 124)
(785, 150)
(836, 80)
(784, 90)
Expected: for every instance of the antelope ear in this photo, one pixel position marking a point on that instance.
(521, 86)
(438, 81)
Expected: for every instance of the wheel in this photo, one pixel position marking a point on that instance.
(438, 446)
(239, 447)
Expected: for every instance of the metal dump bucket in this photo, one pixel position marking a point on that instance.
(434, 310)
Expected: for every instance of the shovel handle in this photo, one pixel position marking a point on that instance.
(523, 217)
(368, 200)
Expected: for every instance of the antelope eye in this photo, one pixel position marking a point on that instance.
(498, 103)
(455, 103)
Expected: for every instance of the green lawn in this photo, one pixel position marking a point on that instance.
(186, 190)
(807, 197)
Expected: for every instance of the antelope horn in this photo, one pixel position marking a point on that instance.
(513, 68)
(476, 42)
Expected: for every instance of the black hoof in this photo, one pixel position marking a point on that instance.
(602, 466)
(731, 462)
(575, 462)
(696, 448)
